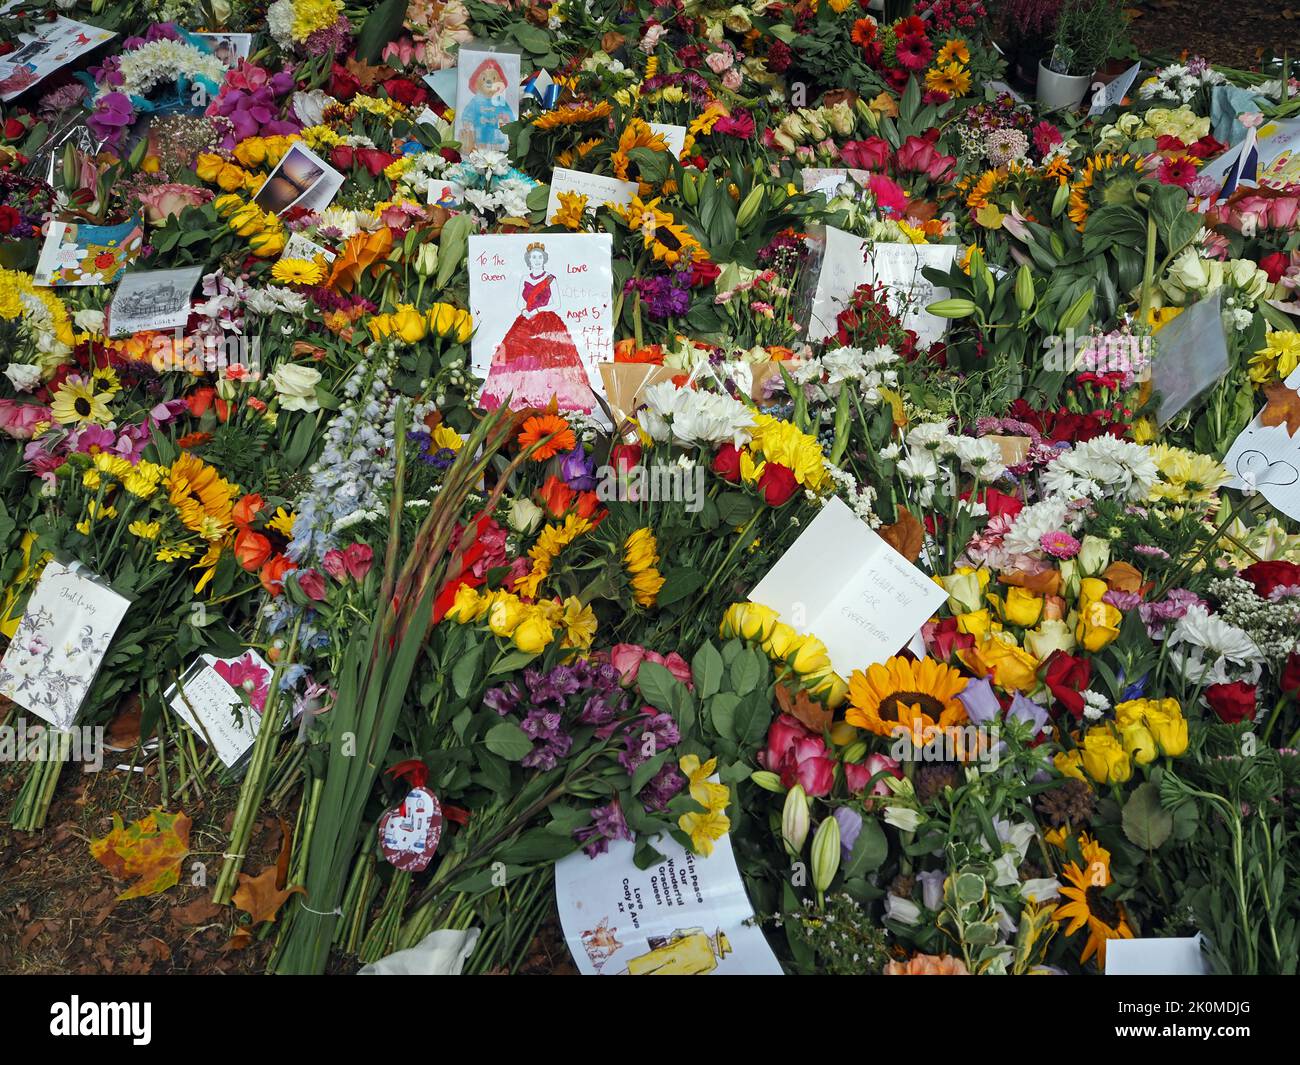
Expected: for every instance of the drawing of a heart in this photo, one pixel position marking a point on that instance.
(1254, 468)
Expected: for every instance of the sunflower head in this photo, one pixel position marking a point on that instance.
(915, 696)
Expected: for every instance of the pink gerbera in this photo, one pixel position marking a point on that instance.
(914, 51)
(1059, 544)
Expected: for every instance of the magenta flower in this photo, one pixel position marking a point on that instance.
(1059, 544)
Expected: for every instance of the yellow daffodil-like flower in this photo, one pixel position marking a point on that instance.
(915, 696)
(704, 829)
(579, 623)
(998, 656)
(145, 530)
(708, 793)
(1104, 756)
(1277, 358)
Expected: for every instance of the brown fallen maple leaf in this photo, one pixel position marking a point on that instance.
(1282, 408)
(149, 850)
(905, 536)
(804, 708)
(262, 896)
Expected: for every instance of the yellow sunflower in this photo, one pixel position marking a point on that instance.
(202, 497)
(662, 235)
(573, 206)
(1088, 906)
(76, 401)
(573, 115)
(1108, 178)
(916, 695)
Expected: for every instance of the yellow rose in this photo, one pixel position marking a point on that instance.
(1022, 607)
(752, 621)
(1104, 757)
(231, 177)
(1168, 729)
(467, 606)
(965, 589)
(442, 318)
(505, 614)
(248, 220)
(833, 689)
(810, 656)
(1098, 622)
(227, 205)
(999, 656)
(533, 634)
(380, 325)
(1048, 637)
(264, 245)
(410, 324)
(975, 623)
(464, 326)
(781, 641)
(207, 166)
(1068, 763)
(1139, 744)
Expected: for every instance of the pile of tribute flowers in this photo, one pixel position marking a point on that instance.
(1094, 736)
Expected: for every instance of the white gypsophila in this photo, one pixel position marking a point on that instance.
(1103, 467)
(979, 456)
(1205, 649)
(1027, 528)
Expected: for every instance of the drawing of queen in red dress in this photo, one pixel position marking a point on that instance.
(537, 359)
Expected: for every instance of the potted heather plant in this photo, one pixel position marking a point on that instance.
(1030, 27)
(1088, 32)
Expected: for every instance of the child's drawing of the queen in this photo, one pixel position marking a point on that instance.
(537, 360)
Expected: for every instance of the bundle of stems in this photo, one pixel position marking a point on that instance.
(372, 679)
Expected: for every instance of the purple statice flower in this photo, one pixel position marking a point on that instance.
(607, 823)
(578, 470)
(665, 784)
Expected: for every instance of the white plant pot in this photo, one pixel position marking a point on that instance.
(1060, 90)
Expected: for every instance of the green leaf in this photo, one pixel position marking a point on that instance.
(678, 584)
(722, 712)
(1146, 823)
(753, 715)
(382, 25)
(869, 850)
(465, 670)
(509, 741)
(706, 670)
(657, 685)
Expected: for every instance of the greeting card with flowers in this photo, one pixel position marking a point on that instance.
(75, 253)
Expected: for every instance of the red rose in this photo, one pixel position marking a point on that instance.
(8, 218)
(704, 272)
(406, 92)
(870, 154)
(943, 638)
(1289, 682)
(341, 157)
(726, 463)
(1067, 679)
(374, 160)
(1275, 265)
(1232, 702)
(14, 129)
(343, 86)
(1267, 576)
(777, 484)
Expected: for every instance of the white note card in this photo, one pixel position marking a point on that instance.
(851, 590)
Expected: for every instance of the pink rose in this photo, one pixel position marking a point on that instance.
(732, 80)
(627, 659)
(870, 154)
(780, 738)
(18, 420)
(165, 201)
(358, 558)
(858, 775)
(918, 155)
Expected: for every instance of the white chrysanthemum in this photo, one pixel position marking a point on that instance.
(279, 20)
(1028, 527)
(1207, 650)
(683, 416)
(1100, 468)
(155, 62)
(979, 456)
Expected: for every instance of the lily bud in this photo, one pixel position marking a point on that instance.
(825, 853)
(794, 820)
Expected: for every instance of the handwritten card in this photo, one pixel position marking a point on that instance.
(210, 705)
(543, 307)
(599, 190)
(1113, 93)
(60, 643)
(865, 605)
(674, 136)
(686, 916)
(1266, 458)
(828, 180)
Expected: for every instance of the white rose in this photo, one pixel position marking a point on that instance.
(525, 515)
(89, 320)
(23, 376)
(296, 386)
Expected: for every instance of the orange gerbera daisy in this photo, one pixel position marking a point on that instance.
(916, 696)
(539, 427)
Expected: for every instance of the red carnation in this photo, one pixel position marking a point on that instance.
(1269, 576)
